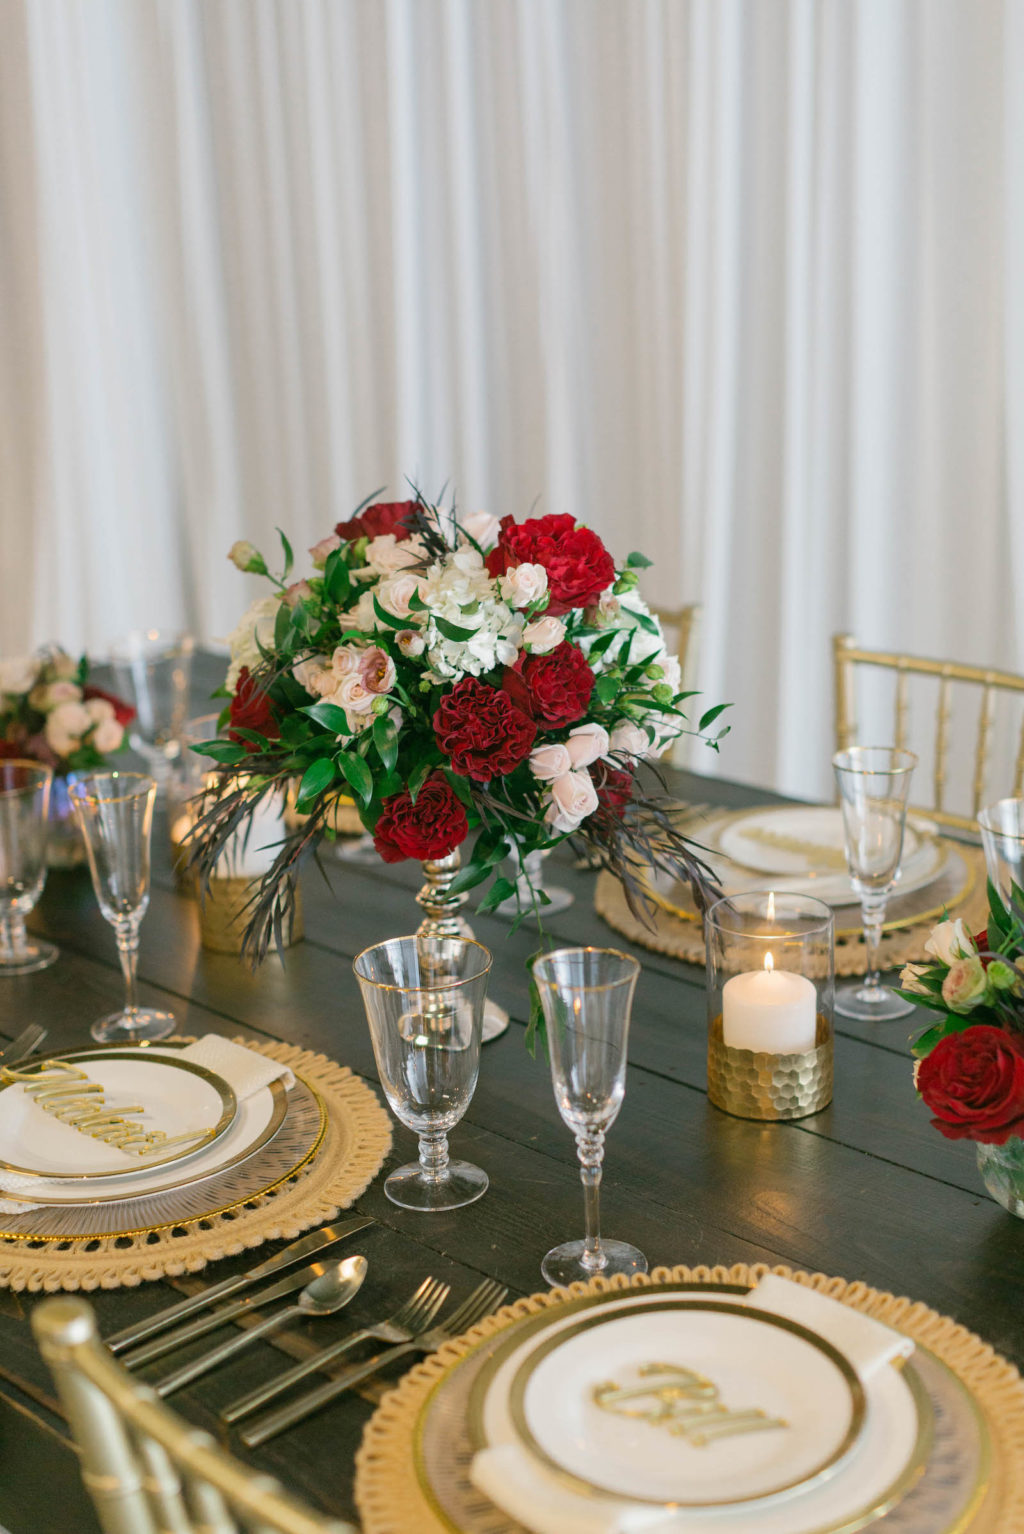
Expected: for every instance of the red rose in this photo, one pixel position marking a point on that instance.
(482, 731)
(430, 828)
(384, 517)
(578, 564)
(558, 685)
(974, 1084)
(251, 709)
(123, 712)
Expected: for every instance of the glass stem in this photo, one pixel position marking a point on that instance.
(590, 1149)
(13, 941)
(128, 950)
(434, 1157)
(873, 915)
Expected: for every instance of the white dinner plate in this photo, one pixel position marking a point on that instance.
(178, 1098)
(883, 1463)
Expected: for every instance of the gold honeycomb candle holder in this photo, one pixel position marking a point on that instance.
(770, 989)
(751, 1084)
(223, 915)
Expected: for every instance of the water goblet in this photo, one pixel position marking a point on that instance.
(873, 783)
(153, 670)
(24, 808)
(587, 996)
(1002, 836)
(424, 1000)
(115, 812)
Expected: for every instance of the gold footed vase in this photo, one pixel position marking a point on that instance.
(443, 918)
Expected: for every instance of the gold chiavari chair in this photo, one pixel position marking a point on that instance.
(848, 655)
(682, 629)
(146, 1470)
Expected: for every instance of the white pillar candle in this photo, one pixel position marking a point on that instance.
(772, 1011)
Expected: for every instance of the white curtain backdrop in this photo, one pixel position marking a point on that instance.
(736, 281)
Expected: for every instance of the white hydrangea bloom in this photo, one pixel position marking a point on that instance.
(255, 624)
(459, 591)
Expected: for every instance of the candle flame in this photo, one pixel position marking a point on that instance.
(771, 905)
(769, 962)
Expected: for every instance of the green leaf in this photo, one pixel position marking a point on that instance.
(636, 561)
(357, 774)
(418, 777)
(316, 779)
(330, 716)
(501, 889)
(601, 644)
(224, 751)
(607, 688)
(386, 618)
(337, 579)
(460, 787)
(452, 630)
(289, 558)
(282, 625)
(649, 624)
(469, 877)
(385, 738)
(711, 715)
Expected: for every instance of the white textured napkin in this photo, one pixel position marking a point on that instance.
(245, 1071)
(515, 1482)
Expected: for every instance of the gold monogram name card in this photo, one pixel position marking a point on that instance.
(67, 1093)
(684, 1402)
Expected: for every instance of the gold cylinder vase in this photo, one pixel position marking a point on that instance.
(222, 916)
(753, 1085)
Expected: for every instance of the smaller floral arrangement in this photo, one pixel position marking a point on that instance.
(969, 1068)
(50, 713)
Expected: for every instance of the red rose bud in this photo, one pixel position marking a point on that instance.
(482, 731)
(123, 712)
(614, 788)
(384, 517)
(559, 685)
(578, 564)
(973, 1082)
(431, 828)
(251, 709)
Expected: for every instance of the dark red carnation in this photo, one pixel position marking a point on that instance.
(431, 828)
(482, 731)
(384, 517)
(973, 1082)
(558, 685)
(578, 564)
(123, 712)
(251, 709)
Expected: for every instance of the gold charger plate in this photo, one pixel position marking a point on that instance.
(224, 1091)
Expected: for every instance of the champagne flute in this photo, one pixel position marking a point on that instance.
(873, 782)
(24, 808)
(587, 996)
(424, 999)
(153, 670)
(1002, 836)
(115, 811)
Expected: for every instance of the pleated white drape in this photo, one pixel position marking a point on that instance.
(737, 281)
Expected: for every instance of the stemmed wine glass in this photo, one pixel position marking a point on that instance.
(873, 782)
(1002, 836)
(24, 807)
(587, 996)
(153, 669)
(115, 812)
(424, 999)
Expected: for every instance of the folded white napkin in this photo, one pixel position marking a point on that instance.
(245, 1071)
(514, 1481)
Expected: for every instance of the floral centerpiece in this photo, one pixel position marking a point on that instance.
(51, 713)
(969, 1068)
(459, 677)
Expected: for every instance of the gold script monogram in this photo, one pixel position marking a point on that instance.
(67, 1094)
(684, 1402)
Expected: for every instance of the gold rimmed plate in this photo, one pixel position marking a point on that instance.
(179, 1098)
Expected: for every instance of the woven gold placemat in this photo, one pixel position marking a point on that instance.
(356, 1140)
(391, 1500)
(684, 939)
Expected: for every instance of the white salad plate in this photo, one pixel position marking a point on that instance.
(178, 1098)
(850, 1450)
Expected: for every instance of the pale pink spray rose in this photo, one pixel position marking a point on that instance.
(411, 643)
(377, 670)
(573, 798)
(298, 591)
(107, 736)
(587, 743)
(319, 552)
(550, 762)
(543, 635)
(523, 584)
(964, 985)
(629, 739)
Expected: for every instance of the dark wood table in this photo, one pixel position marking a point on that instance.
(865, 1189)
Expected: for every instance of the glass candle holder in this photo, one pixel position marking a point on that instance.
(770, 990)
